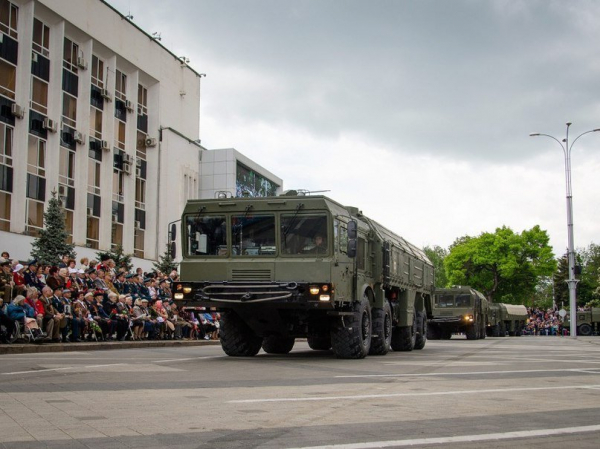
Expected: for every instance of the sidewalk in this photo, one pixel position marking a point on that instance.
(29, 348)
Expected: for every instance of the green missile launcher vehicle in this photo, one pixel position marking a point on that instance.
(458, 310)
(588, 322)
(293, 266)
(507, 318)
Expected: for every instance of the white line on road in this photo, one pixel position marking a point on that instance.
(461, 438)
(471, 373)
(396, 395)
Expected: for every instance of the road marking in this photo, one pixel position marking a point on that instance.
(396, 395)
(61, 369)
(461, 438)
(572, 370)
(190, 358)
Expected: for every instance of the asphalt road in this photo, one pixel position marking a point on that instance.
(498, 392)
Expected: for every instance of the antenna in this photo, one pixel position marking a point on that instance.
(156, 36)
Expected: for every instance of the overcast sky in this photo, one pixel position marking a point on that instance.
(417, 112)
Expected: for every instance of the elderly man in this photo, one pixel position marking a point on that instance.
(52, 318)
(6, 280)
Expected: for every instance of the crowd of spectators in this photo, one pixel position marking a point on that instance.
(94, 300)
(543, 322)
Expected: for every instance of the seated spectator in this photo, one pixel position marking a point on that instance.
(18, 310)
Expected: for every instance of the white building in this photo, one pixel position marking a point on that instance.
(94, 108)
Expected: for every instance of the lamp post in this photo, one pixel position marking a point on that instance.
(572, 282)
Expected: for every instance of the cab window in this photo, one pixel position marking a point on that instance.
(206, 235)
(253, 235)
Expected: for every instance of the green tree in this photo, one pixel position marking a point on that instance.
(51, 243)
(503, 265)
(436, 255)
(165, 263)
(117, 254)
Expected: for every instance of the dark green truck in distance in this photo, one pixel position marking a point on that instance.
(507, 318)
(293, 266)
(458, 310)
(588, 322)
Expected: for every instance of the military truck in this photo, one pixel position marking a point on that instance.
(458, 309)
(588, 322)
(293, 266)
(506, 318)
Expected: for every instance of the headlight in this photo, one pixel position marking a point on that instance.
(178, 296)
(324, 298)
(314, 290)
(187, 290)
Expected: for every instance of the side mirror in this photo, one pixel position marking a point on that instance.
(173, 231)
(352, 236)
(173, 250)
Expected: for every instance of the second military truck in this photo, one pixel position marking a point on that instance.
(293, 266)
(458, 309)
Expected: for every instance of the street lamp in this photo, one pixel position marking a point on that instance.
(572, 282)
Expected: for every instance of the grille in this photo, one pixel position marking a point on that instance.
(251, 275)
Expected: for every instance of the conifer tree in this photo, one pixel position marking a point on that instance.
(117, 254)
(165, 263)
(51, 244)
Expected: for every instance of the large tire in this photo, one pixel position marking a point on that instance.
(237, 339)
(381, 340)
(404, 338)
(319, 342)
(482, 330)
(471, 332)
(585, 330)
(421, 332)
(501, 329)
(277, 345)
(351, 337)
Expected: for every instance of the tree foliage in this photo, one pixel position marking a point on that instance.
(165, 263)
(436, 255)
(503, 265)
(587, 273)
(117, 254)
(51, 243)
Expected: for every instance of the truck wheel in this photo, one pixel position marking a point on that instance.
(382, 330)
(422, 334)
(319, 343)
(405, 337)
(277, 345)
(496, 330)
(501, 330)
(585, 330)
(351, 338)
(482, 330)
(237, 339)
(471, 332)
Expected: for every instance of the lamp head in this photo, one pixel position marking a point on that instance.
(534, 134)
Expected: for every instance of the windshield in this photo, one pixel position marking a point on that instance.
(453, 301)
(253, 235)
(301, 234)
(206, 236)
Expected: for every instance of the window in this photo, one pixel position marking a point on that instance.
(118, 185)
(138, 243)
(70, 55)
(140, 193)
(142, 100)
(117, 235)
(8, 74)
(120, 85)
(93, 232)
(95, 123)
(5, 198)
(119, 134)
(39, 95)
(35, 217)
(6, 143)
(97, 72)
(299, 234)
(36, 156)
(207, 236)
(94, 176)
(69, 112)
(66, 167)
(41, 38)
(253, 235)
(8, 18)
(69, 225)
(141, 146)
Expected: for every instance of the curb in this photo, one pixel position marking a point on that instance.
(32, 348)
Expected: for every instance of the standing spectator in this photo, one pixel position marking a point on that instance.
(84, 264)
(6, 280)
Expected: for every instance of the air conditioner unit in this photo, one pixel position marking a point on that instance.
(115, 218)
(50, 125)
(138, 162)
(79, 137)
(62, 190)
(105, 145)
(81, 63)
(105, 94)
(63, 200)
(138, 172)
(129, 105)
(150, 142)
(17, 110)
(137, 224)
(127, 169)
(90, 211)
(127, 159)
